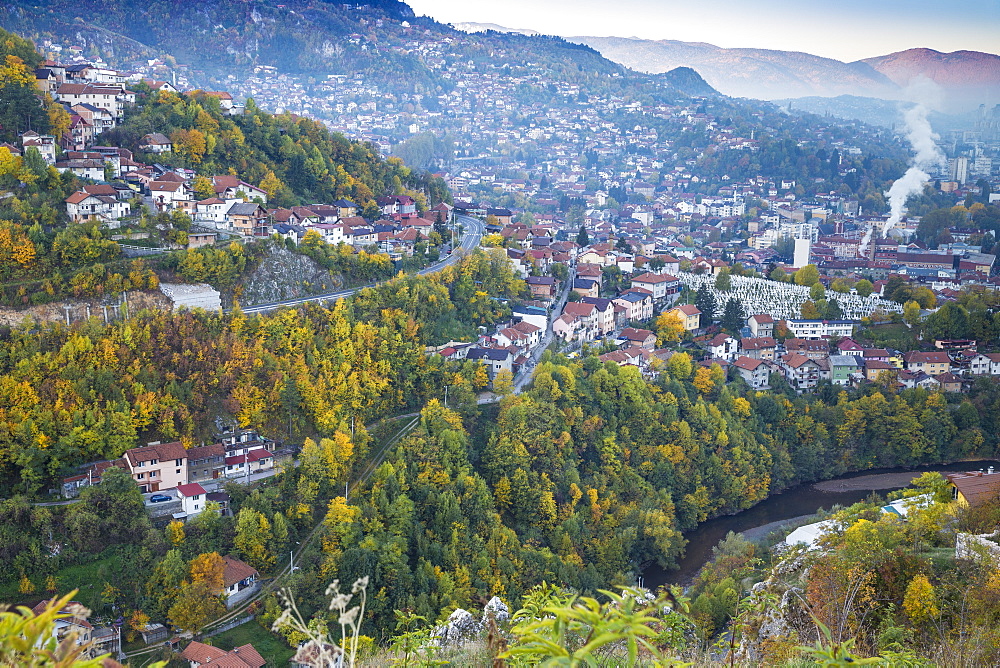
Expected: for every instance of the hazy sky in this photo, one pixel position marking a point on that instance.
(843, 29)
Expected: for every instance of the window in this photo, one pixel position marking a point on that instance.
(154, 461)
(178, 471)
(177, 462)
(142, 476)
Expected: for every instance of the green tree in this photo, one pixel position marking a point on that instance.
(723, 282)
(582, 238)
(733, 316)
(706, 303)
(864, 287)
(807, 275)
(680, 366)
(911, 314)
(253, 535)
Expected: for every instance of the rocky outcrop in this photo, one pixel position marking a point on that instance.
(462, 626)
(283, 274)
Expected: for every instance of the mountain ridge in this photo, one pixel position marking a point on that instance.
(966, 77)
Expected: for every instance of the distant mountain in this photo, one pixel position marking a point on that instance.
(971, 76)
(758, 73)
(483, 27)
(968, 78)
(688, 81)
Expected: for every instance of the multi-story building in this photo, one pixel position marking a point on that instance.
(930, 363)
(802, 373)
(158, 466)
(755, 372)
(819, 329)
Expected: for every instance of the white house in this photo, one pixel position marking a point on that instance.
(819, 329)
(494, 359)
(193, 498)
(81, 206)
(755, 372)
(723, 346)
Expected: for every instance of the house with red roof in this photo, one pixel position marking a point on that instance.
(755, 372)
(200, 655)
(802, 373)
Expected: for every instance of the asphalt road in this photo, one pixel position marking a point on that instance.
(473, 232)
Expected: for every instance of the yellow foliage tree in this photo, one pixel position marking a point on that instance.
(271, 184)
(703, 380)
(920, 601)
(175, 532)
(209, 569)
(494, 240)
(669, 328)
(503, 383)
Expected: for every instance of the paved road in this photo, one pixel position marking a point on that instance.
(528, 369)
(473, 232)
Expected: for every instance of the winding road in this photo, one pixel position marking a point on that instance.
(472, 233)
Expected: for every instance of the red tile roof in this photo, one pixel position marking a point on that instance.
(236, 571)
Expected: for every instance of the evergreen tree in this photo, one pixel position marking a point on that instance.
(582, 239)
(705, 301)
(733, 316)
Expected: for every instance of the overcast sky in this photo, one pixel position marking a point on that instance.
(843, 29)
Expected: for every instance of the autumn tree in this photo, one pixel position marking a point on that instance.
(253, 535)
(920, 601)
(669, 327)
(175, 532)
(503, 383)
(209, 569)
(195, 606)
(20, 110)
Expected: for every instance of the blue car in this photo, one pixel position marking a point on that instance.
(158, 498)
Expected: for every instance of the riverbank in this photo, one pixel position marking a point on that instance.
(785, 509)
(760, 533)
(878, 482)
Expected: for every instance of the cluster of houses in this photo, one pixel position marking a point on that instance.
(804, 362)
(181, 482)
(96, 97)
(238, 208)
(239, 581)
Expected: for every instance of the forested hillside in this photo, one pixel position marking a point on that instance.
(594, 472)
(213, 39)
(295, 159)
(71, 395)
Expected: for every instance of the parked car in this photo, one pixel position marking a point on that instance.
(158, 498)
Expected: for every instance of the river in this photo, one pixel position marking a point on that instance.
(795, 502)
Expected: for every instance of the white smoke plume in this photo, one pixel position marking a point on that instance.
(927, 155)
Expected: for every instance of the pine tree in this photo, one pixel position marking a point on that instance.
(733, 317)
(705, 301)
(582, 239)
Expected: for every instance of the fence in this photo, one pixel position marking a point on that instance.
(231, 624)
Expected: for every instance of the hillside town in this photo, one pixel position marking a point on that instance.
(639, 257)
